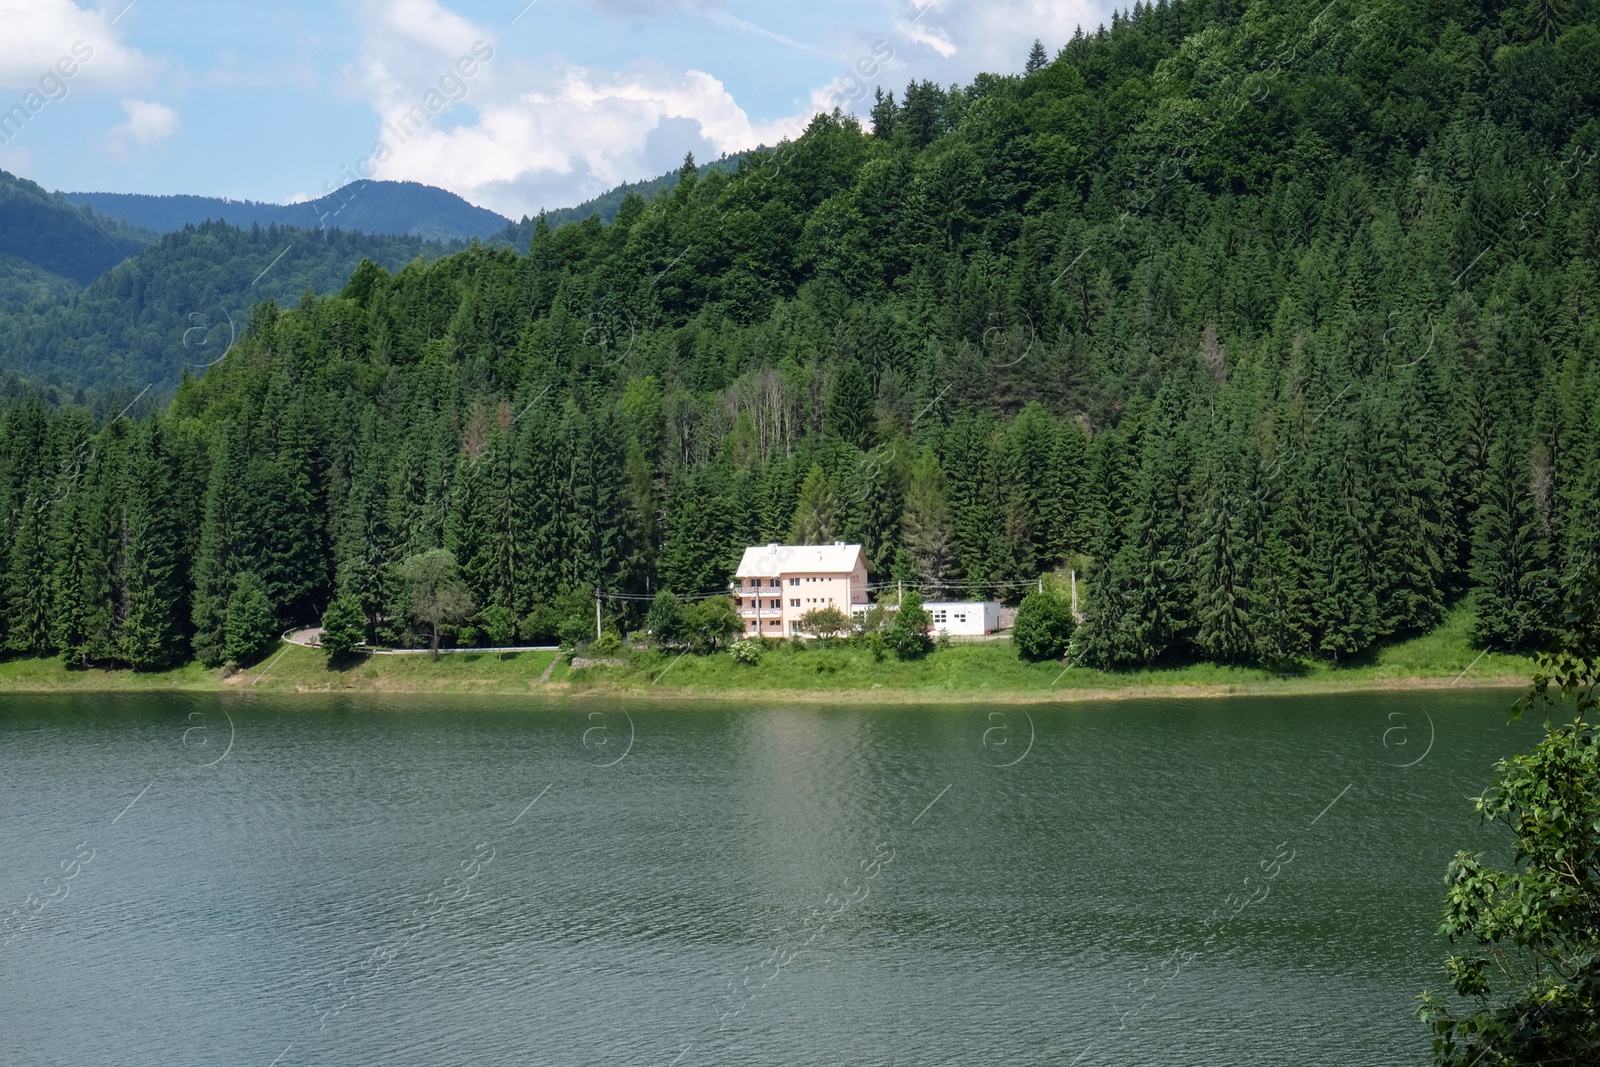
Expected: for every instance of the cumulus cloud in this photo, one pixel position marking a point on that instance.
(148, 122)
(953, 42)
(517, 138)
(585, 132)
(39, 33)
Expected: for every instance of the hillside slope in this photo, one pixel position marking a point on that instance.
(1277, 321)
(47, 231)
(175, 306)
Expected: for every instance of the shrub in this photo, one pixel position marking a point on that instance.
(747, 651)
(908, 634)
(664, 620)
(498, 624)
(566, 620)
(824, 622)
(1043, 629)
(710, 622)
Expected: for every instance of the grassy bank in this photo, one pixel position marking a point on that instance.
(977, 672)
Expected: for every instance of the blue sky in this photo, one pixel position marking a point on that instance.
(526, 105)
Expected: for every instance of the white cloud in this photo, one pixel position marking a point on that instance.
(515, 138)
(995, 36)
(39, 34)
(148, 122)
(585, 132)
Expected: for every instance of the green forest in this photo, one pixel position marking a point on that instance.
(173, 304)
(1275, 321)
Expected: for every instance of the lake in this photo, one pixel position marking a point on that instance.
(200, 879)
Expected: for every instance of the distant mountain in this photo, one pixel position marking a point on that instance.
(176, 305)
(45, 230)
(407, 208)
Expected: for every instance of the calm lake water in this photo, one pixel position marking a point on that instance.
(421, 881)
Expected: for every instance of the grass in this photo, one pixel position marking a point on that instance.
(971, 672)
(992, 671)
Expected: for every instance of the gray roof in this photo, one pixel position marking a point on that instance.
(769, 561)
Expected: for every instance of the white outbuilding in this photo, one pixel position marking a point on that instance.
(967, 618)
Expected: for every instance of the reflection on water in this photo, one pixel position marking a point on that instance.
(197, 880)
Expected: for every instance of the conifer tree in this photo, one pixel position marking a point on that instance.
(1510, 556)
(81, 616)
(344, 627)
(151, 611)
(1222, 556)
(1345, 608)
(1144, 603)
(816, 512)
(925, 526)
(1036, 492)
(225, 534)
(249, 623)
(1037, 60)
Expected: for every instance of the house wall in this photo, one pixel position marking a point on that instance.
(796, 593)
(965, 618)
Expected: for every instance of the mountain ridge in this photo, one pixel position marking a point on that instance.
(370, 206)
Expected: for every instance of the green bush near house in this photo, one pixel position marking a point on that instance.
(1044, 626)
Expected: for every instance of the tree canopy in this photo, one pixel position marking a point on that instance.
(1283, 321)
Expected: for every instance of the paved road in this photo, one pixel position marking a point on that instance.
(311, 637)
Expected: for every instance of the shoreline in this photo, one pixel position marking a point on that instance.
(296, 670)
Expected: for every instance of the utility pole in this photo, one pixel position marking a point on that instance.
(1075, 616)
(1041, 583)
(597, 613)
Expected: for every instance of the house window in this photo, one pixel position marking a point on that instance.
(794, 581)
(794, 603)
(938, 616)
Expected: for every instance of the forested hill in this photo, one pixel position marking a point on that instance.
(52, 235)
(1278, 319)
(400, 208)
(175, 305)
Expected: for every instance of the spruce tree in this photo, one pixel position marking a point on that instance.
(816, 513)
(150, 635)
(225, 535)
(1345, 607)
(1510, 556)
(1222, 557)
(1037, 59)
(249, 623)
(925, 525)
(1144, 604)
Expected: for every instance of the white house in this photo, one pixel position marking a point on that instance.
(964, 617)
(776, 584)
